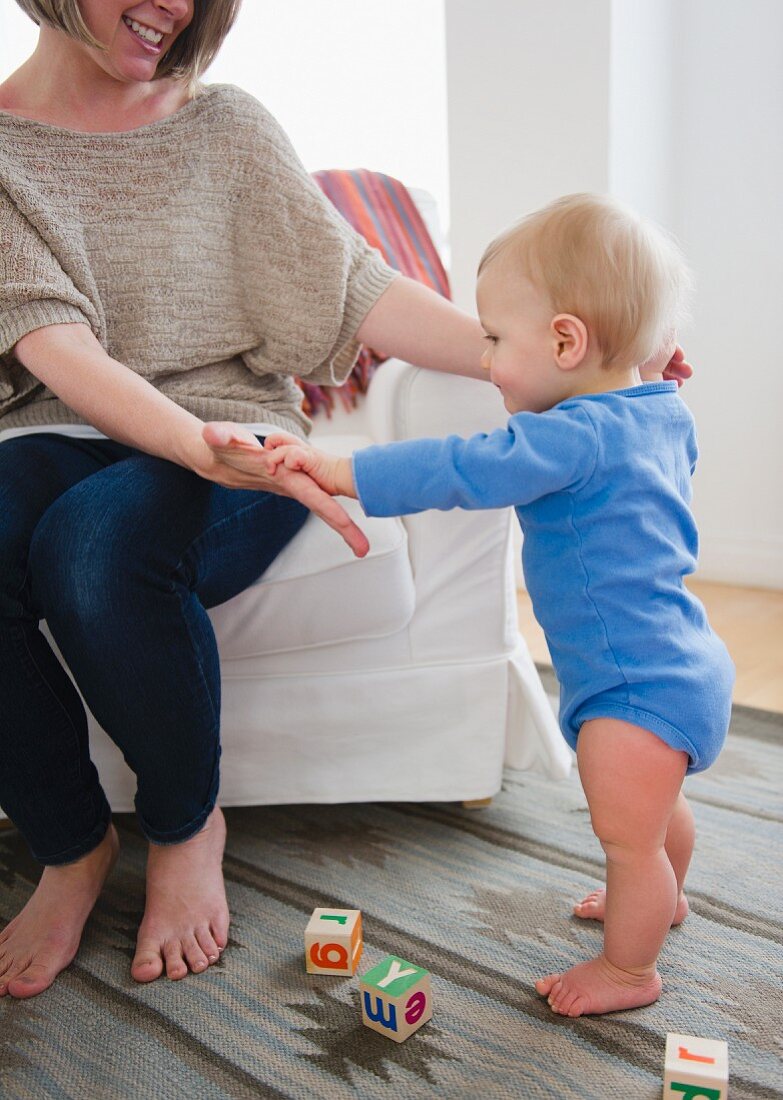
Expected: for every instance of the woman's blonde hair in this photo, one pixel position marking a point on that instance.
(620, 274)
(192, 51)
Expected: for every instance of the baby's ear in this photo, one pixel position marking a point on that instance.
(569, 340)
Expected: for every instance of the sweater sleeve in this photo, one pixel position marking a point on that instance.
(34, 292)
(34, 289)
(536, 454)
(308, 275)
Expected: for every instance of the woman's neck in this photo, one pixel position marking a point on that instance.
(61, 84)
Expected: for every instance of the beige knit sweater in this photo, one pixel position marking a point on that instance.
(197, 249)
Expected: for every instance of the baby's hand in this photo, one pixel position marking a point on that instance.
(332, 474)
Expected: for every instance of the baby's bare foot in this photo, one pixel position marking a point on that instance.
(44, 937)
(185, 923)
(598, 986)
(593, 906)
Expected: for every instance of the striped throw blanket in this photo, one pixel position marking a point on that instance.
(382, 210)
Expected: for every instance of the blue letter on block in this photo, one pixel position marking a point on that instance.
(692, 1092)
(377, 1017)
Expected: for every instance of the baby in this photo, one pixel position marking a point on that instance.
(579, 302)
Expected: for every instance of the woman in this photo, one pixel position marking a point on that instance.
(169, 267)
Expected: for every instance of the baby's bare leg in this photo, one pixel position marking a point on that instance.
(632, 781)
(679, 848)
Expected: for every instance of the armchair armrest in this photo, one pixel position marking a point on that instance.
(405, 402)
(462, 561)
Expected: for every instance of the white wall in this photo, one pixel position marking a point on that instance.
(528, 88)
(18, 36)
(677, 107)
(641, 106)
(728, 213)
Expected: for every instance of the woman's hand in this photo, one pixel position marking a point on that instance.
(667, 365)
(238, 461)
(677, 370)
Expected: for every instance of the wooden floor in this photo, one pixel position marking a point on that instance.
(750, 621)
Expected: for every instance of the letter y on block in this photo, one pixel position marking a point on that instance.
(396, 998)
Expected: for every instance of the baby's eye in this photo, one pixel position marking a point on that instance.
(492, 339)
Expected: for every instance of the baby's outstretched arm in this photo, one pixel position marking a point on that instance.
(333, 474)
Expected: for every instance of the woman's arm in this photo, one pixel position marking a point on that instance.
(71, 362)
(411, 322)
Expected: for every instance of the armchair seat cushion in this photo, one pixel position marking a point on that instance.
(317, 593)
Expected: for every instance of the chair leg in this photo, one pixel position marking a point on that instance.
(477, 803)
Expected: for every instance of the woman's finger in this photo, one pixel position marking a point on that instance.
(307, 492)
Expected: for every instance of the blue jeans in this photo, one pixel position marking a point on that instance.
(120, 553)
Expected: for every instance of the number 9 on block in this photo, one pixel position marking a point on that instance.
(333, 941)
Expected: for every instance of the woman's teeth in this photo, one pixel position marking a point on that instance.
(147, 33)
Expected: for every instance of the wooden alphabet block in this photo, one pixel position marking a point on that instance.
(396, 998)
(333, 941)
(695, 1069)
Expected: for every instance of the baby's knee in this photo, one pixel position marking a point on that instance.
(631, 850)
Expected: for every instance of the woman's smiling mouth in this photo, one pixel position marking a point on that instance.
(148, 36)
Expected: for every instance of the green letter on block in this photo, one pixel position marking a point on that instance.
(692, 1092)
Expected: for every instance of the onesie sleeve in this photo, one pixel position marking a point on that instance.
(308, 274)
(35, 291)
(535, 455)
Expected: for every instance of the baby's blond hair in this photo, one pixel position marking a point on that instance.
(593, 257)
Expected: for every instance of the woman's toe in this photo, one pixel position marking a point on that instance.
(206, 942)
(176, 967)
(194, 956)
(31, 980)
(147, 964)
(219, 930)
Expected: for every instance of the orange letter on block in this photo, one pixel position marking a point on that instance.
(330, 955)
(686, 1056)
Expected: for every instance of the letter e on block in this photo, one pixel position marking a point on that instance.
(396, 998)
(333, 941)
(695, 1069)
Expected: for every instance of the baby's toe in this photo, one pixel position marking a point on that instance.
(544, 985)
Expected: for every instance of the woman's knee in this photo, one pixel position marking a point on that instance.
(100, 545)
(79, 555)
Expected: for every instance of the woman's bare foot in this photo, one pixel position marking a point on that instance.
(185, 925)
(598, 986)
(593, 906)
(44, 937)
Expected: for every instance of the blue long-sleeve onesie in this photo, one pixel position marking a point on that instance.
(601, 484)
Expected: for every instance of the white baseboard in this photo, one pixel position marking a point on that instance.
(748, 561)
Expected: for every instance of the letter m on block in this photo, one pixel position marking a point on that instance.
(377, 1014)
(695, 1092)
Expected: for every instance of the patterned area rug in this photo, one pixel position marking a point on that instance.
(480, 898)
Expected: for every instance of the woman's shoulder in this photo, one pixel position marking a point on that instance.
(247, 130)
(237, 104)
